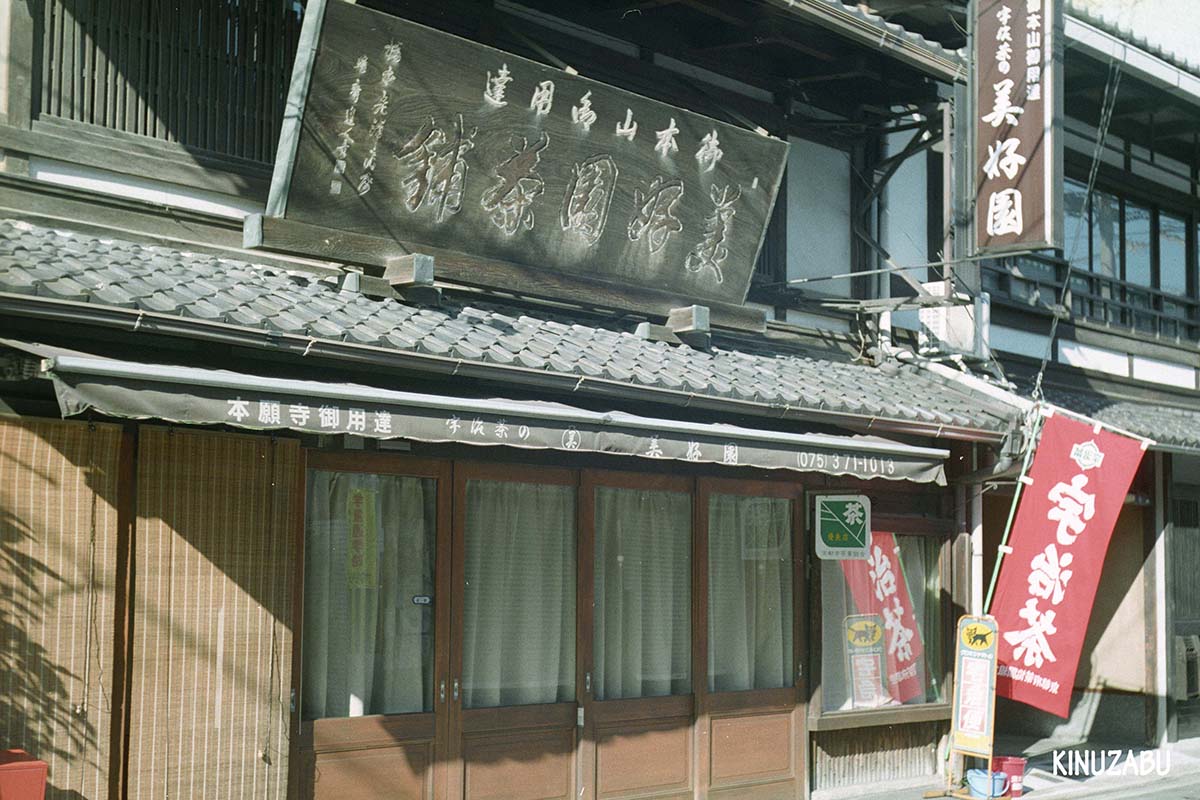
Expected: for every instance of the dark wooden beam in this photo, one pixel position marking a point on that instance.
(716, 11)
(1173, 129)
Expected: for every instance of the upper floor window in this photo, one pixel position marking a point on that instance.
(207, 74)
(1119, 237)
(1133, 263)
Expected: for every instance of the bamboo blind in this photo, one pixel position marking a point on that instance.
(210, 74)
(212, 631)
(58, 538)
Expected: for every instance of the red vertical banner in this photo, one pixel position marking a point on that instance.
(878, 587)
(1069, 507)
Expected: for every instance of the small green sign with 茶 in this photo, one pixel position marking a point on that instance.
(843, 526)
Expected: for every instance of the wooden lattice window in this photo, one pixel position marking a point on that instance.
(207, 74)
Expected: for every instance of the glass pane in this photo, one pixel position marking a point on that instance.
(519, 598)
(1106, 234)
(369, 547)
(1172, 254)
(1137, 247)
(749, 593)
(643, 602)
(881, 626)
(1075, 227)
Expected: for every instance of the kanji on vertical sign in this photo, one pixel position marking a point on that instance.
(1017, 157)
(878, 587)
(1077, 485)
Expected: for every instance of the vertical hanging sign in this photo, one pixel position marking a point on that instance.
(1069, 506)
(362, 563)
(1018, 158)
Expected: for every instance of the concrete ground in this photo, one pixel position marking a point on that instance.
(1172, 773)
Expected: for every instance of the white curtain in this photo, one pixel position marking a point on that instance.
(750, 593)
(368, 647)
(519, 598)
(642, 593)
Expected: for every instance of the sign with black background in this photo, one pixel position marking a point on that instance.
(420, 136)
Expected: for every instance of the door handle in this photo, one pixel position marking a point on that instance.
(442, 691)
(456, 690)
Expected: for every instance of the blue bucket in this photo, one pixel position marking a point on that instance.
(977, 782)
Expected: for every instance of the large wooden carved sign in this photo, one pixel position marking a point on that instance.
(419, 136)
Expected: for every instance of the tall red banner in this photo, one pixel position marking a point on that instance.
(878, 587)
(1078, 483)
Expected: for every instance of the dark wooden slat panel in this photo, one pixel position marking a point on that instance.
(87, 61)
(208, 75)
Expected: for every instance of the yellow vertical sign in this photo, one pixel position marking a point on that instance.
(974, 687)
(362, 561)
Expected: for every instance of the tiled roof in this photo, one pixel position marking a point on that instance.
(1107, 19)
(1173, 426)
(864, 13)
(858, 21)
(77, 266)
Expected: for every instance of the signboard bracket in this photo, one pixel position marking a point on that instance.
(293, 113)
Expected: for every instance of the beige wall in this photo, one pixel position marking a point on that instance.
(1114, 650)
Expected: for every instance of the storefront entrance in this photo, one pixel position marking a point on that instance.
(483, 630)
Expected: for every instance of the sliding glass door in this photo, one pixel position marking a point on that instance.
(750, 707)
(374, 640)
(639, 704)
(513, 658)
(496, 631)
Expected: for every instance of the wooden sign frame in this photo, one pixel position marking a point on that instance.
(400, 138)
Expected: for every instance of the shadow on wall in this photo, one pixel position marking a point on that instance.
(43, 709)
(1113, 698)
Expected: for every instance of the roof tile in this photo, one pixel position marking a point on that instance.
(168, 281)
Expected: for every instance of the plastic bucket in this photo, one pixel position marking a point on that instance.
(977, 782)
(1014, 768)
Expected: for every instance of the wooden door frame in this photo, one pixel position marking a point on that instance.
(794, 696)
(372, 730)
(590, 480)
(463, 471)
